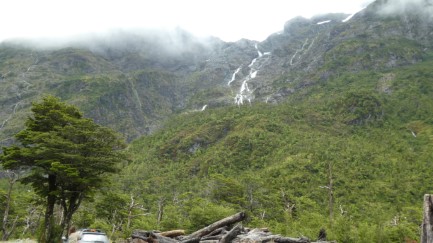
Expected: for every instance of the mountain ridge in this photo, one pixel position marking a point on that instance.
(201, 73)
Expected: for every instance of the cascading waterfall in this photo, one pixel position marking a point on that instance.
(258, 51)
(234, 75)
(245, 93)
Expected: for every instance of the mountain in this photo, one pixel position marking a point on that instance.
(136, 80)
(326, 124)
(131, 82)
(337, 135)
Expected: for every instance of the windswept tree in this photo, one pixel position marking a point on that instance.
(65, 156)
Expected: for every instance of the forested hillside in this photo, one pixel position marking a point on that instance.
(327, 124)
(355, 161)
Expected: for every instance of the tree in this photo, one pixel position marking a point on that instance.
(12, 179)
(65, 156)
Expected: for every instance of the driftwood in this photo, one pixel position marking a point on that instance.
(221, 223)
(231, 234)
(151, 237)
(172, 233)
(427, 223)
(192, 240)
(218, 232)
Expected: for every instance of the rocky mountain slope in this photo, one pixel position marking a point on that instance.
(132, 82)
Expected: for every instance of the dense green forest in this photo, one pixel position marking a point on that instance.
(354, 160)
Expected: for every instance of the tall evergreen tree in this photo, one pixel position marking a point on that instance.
(65, 155)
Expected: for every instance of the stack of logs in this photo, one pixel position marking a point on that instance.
(223, 231)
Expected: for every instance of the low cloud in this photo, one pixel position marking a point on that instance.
(424, 7)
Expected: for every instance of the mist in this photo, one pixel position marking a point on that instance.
(153, 41)
(392, 7)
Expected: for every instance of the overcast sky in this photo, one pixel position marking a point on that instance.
(229, 20)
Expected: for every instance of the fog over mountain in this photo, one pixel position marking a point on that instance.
(134, 79)
(400, 6)
(227, 20)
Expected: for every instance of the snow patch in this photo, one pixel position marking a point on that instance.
(348, 18)
(324, 22)
(351, 16)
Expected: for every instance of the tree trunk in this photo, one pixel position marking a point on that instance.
(427, 224)
(160, 211)
(70, 205)
(6, 233)
(223, 222)
(47, 233)
(331, 194)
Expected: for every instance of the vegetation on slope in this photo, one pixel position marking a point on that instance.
(354, 160)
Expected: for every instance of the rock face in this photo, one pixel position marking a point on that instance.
(133, 81)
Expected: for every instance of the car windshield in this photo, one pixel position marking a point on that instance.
(94, 238)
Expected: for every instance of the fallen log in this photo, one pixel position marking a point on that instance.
(221, 223)
(140, 237)
(162, 239)
(172, 233)
(192, 240)
(231, 234)
(218, 231)
(212, 237)
(152, 237)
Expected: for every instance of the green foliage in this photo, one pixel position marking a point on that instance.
(360, 108)
(66, 156)
(274, 162)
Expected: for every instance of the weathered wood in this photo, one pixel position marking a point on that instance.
(209, 241)
(192, 240)
(223, 222)
(140, 237)
(172, 233)
(212, 237)
(231, 234)
(137, 240)
(280, 239)
(218, 231)
(427, 223)
(152, 237)
(292, 240)
(162, 239)
(142, 233)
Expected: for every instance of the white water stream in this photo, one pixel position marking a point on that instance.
(234, 75)
(245, 93)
